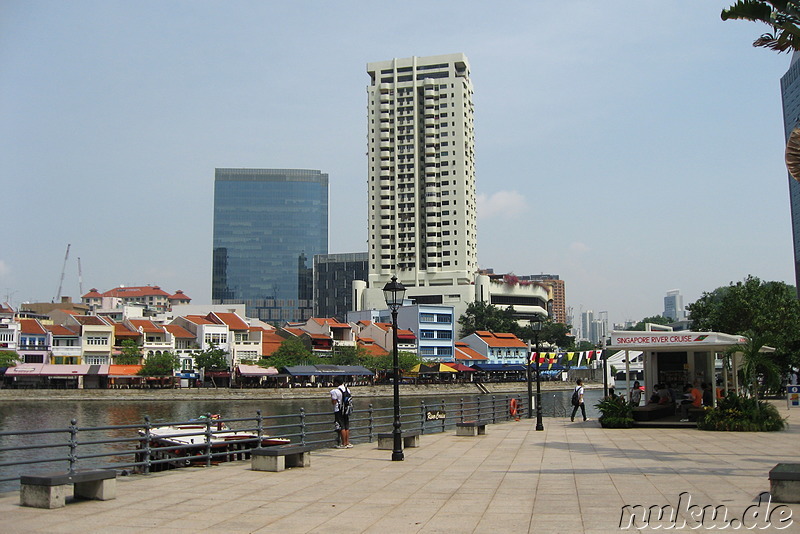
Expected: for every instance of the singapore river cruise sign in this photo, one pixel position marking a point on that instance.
(644, 340)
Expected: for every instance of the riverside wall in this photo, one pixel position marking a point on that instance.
(498, 388)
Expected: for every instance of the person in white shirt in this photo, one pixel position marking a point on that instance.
(579, 389)
(341, 420)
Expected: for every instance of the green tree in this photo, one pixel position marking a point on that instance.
(756, 363)
(160, 364)
(351, 356)
(481, 315)
(655, 319)
(213, 358)
(585, 345)
(291, 352)
(782, 16)
(768, 311)
(405, 361)
(130, 353)
(9, 358)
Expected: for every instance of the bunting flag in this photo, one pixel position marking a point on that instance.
(599, 354)
(533, 357)
(570, 356)
(580, 358)
(590, 356)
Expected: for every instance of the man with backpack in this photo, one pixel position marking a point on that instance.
(342, 401)
(577, 400)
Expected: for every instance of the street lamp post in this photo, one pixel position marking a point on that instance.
(536, 324)
(394, 292)
(529, 380)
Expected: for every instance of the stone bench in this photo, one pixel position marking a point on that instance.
(471, 428)
(410, 439)
(650, 412)
(784, 483)
(280, 457)
(50, 490)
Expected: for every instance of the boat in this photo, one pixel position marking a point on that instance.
(184, 444)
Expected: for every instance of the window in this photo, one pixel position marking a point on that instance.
(96, 340)
(444, 334)
(427, 318)
(427, 334)
(444, 318)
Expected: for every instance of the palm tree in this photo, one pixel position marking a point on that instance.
(755, 362)
(782, 16)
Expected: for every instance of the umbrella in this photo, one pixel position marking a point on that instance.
(460, 367)
(437, 368)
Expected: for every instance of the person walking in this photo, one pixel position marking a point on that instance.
(340, 417)
(579, 401)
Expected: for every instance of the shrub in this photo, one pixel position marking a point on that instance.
(741, 414)
(616, 413)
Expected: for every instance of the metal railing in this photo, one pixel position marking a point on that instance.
(140, 448)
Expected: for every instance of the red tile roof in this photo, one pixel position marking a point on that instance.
(147, 326)
(122, 330)
(465, 353)
(178, 331)
(92, 294)
(371, 347)
(136, 291)
(233, 321)
(60, 330)
(31, 326)
(179, 295)
(270, 342)
(90, 320)
(198, 319)
(501, 339)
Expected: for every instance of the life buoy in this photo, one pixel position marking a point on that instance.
(513, 406)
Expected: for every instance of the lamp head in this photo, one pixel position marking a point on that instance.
(394, 292)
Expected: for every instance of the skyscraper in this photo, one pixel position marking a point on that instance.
(268, 226)
(421, 208)
(673, 305)
(790, 94)
(333, 282)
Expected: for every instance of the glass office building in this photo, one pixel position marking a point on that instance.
(268, 226)
(790, 94)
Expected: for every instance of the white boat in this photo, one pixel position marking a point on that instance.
(188, 442)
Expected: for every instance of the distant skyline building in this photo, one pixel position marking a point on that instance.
(557, 291)
(333, 282)
(673, 305)
(268, 226)
(790, 95)
(421, 150)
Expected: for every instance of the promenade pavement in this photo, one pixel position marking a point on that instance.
(571, 477)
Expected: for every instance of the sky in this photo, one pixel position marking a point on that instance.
(629, 147)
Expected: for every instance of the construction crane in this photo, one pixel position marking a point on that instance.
(80, 278)
(63, 268)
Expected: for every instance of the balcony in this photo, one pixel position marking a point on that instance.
(66, 351)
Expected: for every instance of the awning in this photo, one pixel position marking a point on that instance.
(123, 371)
(460, 367)
(187, 374)
(495, 367)
(73, 370)
(217, 374)
(328, 370)
(25, 369)
(255, 370)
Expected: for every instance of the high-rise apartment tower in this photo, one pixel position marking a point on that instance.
(421, 142)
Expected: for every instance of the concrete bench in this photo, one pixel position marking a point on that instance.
(410, 439)
(280, 457)
(50, 490)
(471, 428)
(784, 483)
(650, 412)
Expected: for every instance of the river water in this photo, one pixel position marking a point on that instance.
(17, 416)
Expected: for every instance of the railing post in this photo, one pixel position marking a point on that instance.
(259, 427)
(478, 409)
(444, 409)
(461, 410)
(73, 444)
(494, 409)
(208, 440)
(371, 423)
(147, 458)
(422, 416)
(303, 426)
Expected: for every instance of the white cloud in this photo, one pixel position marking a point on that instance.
(579, 247)
(507, 204)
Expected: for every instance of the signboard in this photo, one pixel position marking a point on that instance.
(793, 395)
(435, 415)
(661, 339)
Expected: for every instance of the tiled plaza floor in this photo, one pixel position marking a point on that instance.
(571, 477)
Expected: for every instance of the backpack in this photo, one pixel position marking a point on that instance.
(575, 397)
(346, 407)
